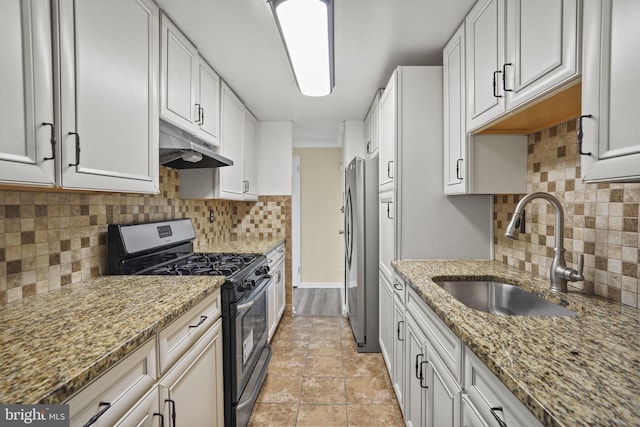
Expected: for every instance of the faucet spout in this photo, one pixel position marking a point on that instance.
(560, 273)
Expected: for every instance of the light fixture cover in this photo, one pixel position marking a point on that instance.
(306, 27)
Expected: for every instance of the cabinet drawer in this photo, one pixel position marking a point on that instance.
(470, 415)
(487, 393)
(444, 342)
(175, 339)
(275, 255)
(120, 388)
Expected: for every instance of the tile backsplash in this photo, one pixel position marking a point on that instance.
(49, 239)
(601, 220)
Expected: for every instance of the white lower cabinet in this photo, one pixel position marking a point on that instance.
(385, 318)
(445, 384)
(276, 294)
(189, 392)
(397, 377)
(113, 394)
(145, 413)
(492, 401)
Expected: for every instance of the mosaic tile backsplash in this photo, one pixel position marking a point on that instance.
(601, 220)
(49, 239)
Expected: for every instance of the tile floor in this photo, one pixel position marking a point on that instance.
(317, 378)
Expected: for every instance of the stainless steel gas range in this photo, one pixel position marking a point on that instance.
(166, 248)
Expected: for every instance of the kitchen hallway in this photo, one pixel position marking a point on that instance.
(316, 377)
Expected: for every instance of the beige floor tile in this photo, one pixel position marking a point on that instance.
(346, 332)
(270, 414)
(296, 322)
(322, 415)
(372, 415)
(325, 348)
(367, 390)
(349, 348)
(296, 335)
(323, 390)
(287, 365)
(281, 390)
(364, 365)
(325, 333)
(323, 366)
(328, 321)
(288, 347)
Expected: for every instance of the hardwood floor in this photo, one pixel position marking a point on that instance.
(317, 302)
(316, 377)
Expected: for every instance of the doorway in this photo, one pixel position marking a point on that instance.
(316, 223)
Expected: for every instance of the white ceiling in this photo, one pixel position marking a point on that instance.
(240, 41)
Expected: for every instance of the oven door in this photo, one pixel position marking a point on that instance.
(251, 333)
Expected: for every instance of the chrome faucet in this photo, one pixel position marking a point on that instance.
(560, 273)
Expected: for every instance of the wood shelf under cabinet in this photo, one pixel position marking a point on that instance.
(549, 111)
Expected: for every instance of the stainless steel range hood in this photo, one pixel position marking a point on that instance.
(181, 150)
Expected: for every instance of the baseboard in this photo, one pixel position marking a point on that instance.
(320, 285)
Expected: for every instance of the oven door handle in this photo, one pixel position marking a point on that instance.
(246, 305)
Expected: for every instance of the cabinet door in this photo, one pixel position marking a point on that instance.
(610, 76)
(209, 100)
(26, 88)
(470, 416)
(386, 246)
(540, 60)
(192, 390)
(397, 378)
(281, 291)
(415, 396)
(180, 72)
(387, 137)
(272, 322)
(108, 95)
(230, 185)
(249, 172)
(443, 405)
(385, 326)
(455, 126)
(145, 413)
(367, 135)
(485, 32)
(374, 126)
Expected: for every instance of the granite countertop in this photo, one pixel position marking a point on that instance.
(568, 371)
(243, 246)
(53, 345)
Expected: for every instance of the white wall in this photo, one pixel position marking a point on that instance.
(274, 148)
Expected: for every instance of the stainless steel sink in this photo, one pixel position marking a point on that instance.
(501, 298)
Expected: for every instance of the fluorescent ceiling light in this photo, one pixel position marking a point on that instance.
(306, 27)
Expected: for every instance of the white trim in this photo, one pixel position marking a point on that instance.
(317, 144)
(321, 285)
(296, 242)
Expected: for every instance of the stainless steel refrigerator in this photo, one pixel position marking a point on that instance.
(361, 251)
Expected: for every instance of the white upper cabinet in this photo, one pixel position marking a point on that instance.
(611, 68)
(108, 95)
(179, 77)
(208, 118)
(26, 84)
(249, 169)
(103, 132)
(190, 88)
(455, 135)
(371, 128)
(542, 47)
(387, 136)
(230, 178)
(518, 51)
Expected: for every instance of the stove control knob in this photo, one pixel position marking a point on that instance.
(247, 285)
(263, 270)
